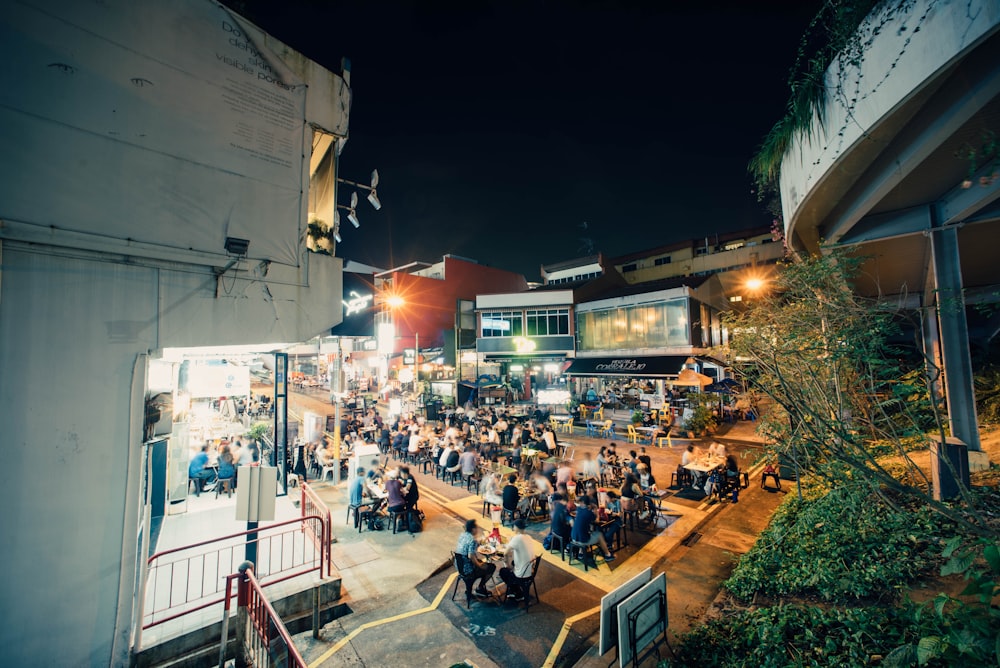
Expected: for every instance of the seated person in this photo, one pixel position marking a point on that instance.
(591, 469)
(584, 531)
(357, 492)
(491, 490)
(512, 497)
(630, 492)
(717, 450)
(473, 565)
(453, 464)
(394, 495)
(565, 473)
(560, 524)
(199, 470)
(562, 490)
(521, 551)
(411, 493)
(227, 467)
(468, 462)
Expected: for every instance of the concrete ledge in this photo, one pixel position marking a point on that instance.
(201, 647)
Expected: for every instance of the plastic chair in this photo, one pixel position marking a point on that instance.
(633, 435)
(608, 430)
(526, 583)
(459, 560)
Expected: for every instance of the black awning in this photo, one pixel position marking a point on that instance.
(650, 367)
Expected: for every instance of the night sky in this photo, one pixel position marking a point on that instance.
(527, 133)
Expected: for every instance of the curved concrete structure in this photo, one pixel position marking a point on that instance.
(887, 170)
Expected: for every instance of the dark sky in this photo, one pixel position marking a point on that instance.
(500, 128)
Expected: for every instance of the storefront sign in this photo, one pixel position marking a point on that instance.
(369, 345)
(356, 304)
(523, 345)
(409, 356)
(620, 366)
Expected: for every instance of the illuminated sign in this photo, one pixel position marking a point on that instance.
(621, 365)
(523, 345)
(369, 344)
(356, 304)
(409, 355)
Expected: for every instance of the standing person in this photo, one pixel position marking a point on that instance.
(521, 551)
(472, 565)
(584, 531)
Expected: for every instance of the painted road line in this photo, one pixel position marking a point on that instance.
(550, 660)
(339, 645)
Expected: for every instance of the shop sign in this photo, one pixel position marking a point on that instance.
(523, 345)
(369, 345)
(620, 366)
(356, 304)
(409, 356)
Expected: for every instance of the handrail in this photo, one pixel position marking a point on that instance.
(262, 618)
(311, 504)
(190, 581)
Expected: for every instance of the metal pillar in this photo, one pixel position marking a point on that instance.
(954, 332)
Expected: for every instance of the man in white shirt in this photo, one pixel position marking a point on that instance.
(445, 453)
(521, 552)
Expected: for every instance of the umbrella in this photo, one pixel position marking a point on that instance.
(690, 378)
(720, 388)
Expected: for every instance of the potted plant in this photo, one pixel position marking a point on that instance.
(320, 237)
(637, 417)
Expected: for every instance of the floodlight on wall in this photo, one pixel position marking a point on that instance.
(336, 227)
(236, 246)
(352, 210)
(372, 189)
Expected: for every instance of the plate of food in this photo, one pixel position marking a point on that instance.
(486, 549)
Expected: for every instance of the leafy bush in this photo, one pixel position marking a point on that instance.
(793, 636)
(842, 546)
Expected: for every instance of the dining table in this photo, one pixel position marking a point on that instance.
(704, 464)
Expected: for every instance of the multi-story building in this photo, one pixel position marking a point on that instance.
(161, 162)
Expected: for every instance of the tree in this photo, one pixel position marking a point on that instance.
(849, 407)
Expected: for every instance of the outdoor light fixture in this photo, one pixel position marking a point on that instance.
(352, 213)
(236, 246)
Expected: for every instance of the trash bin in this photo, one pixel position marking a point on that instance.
(944, 479)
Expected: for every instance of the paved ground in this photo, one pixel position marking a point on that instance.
(399, 587)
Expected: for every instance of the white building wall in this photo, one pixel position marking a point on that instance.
(70, 332)
(896, 65)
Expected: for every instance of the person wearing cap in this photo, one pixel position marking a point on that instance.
(521, 551)
(481, 570)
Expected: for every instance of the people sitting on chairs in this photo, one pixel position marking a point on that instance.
(479, 569)
(491, 490)
(560, 524)
(584, 531)
(411, 493)
(521, 551)
(227, 467)
(200, 471)
(512, 497)
(732, 474)
(591, 467)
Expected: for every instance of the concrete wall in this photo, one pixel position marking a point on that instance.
(896, 65)
(71, 329)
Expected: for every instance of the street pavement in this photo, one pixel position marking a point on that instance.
(399, 587)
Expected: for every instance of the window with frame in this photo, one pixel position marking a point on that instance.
(547, 322)
(501, 323)
(629, 268)
(660, 261)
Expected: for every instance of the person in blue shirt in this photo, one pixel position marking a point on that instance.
(199, 471)
(584, 531)
(227, 465)
(357, 491)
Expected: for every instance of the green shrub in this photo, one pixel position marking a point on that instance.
(793, 636)
(842, 546)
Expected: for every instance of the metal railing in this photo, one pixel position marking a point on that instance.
(261, 637)
(312, 505)
(186, 579)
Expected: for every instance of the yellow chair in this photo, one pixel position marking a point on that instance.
(567, 426)
(608, 431)
(633, 435)
(583, 411)
(599, 413)
(661, 439)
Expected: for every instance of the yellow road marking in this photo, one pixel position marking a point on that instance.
(550, 660)
(388, 620)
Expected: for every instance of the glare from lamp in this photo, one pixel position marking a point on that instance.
(395, 301)
(754, 283)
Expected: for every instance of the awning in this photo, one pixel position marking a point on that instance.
(642, 367)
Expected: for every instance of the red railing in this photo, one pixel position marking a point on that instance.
(186, 579)
(262, 639)
(311, 504)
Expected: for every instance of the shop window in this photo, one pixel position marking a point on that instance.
(502, 323)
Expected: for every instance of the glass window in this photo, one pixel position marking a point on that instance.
(629, 267)
(660, 261)
(634, 327)
(549, 322)
(502, 323)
